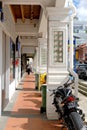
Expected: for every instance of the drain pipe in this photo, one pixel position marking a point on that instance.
(71, 45)
(71, 31)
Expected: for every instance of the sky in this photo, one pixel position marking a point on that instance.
(81, 6)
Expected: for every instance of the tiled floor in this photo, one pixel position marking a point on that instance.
(25, 114)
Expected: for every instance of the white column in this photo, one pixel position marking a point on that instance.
(42, 45)
(1, 70)
(7, 65)
(36, 61)
(57, 53)
(19, 65)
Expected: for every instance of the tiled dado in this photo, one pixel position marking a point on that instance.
(58, 46)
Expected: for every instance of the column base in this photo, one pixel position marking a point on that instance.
(54, 82)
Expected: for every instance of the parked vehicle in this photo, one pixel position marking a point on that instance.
(82, 71)
(67, 107)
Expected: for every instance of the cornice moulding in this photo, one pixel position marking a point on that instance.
(60, 11)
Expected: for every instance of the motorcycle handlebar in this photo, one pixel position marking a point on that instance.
(53, 91)
(66, 85)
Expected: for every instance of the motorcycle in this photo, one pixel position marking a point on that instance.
(67, 107)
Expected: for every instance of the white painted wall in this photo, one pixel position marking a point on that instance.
(6, 85)
(8, 67)
(19, 70)
(43, 26)
(27, 28)
(0, 70)
(29, 42)
(9, 28)
(42, 45)
(8, 24)
(27, 49)
(36, 60)
(4, 58)
(11, 89)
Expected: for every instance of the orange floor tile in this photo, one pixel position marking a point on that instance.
(26, 111)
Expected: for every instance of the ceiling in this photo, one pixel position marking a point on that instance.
(24, 12)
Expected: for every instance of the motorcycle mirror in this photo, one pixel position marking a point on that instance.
(71, 77)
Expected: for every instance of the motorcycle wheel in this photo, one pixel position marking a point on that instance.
(75, 121)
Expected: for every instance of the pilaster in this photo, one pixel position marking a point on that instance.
(42, 45)
(36, 61)
(57, 63)
(7, 65)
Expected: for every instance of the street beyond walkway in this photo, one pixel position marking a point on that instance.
(25, 113)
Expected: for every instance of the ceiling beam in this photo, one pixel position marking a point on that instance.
(13, 14)
(32, 13)
(22, 13)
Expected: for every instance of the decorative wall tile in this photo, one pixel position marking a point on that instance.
(43, 56)
(58, 47)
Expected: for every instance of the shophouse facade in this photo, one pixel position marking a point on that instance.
(45, 38)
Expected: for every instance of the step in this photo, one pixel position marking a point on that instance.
(83, 83)
(82, 87)
(82, 92)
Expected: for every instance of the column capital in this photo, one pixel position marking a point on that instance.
(54, 13)
(42, 41)
(36, 48)
(59, 3)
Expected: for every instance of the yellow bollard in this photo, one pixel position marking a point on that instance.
(42, 79)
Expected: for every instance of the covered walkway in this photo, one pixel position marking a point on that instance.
(39, 30)
(23, 111)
